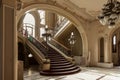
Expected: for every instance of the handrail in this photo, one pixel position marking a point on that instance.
(30, 45)
(60, 46)
(39, 45)
(39, 56)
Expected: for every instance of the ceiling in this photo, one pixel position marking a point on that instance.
(90, 5)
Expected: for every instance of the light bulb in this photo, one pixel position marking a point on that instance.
(30, 55)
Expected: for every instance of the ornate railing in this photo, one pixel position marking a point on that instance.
(60, 25)
(39, 45)
(60, 47)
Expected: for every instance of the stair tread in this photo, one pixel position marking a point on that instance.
(60, 73)
(63, 66)
(64, 69)
(59, 65)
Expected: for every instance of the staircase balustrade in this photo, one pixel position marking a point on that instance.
(59, 26)
(61, 47)
(39, 45)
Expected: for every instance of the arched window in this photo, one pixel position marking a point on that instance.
(29, 24)
(60, 19)
(42, 31)
(114, 40)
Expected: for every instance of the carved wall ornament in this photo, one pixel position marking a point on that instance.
(101, 30)
(19, 5)
(106, 37)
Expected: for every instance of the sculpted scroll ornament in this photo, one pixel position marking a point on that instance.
(19, 4)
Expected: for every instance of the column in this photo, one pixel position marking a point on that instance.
(106, 50)
(1, 44)
(50, 19)
(8, 41)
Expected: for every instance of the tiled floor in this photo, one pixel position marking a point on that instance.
(87, 73)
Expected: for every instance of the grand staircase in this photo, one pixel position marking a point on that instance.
(59, 65)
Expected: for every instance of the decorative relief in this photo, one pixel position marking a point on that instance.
(106, 37)
(19, 5)
(101, 30)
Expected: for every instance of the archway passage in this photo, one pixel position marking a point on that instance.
(53, 8)
(115, 47)
(101, 50)
(119, 52)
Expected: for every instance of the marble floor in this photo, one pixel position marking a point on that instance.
(87, 73)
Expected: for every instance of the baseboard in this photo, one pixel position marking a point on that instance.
(105, 65)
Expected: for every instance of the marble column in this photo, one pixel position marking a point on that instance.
(8, 41)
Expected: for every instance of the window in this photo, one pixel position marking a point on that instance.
(60, 19)
(42, 31)
(114, 40)
(42, 16)
(29, 24)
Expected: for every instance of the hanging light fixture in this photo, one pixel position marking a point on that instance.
(110, 13)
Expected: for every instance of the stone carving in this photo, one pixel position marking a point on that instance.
(19, 4)
(101, 30)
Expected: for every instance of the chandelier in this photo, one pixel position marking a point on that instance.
(110, 13)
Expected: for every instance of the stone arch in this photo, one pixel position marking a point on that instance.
(111, 33)
(64, 13)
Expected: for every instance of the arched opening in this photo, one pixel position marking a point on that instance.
(101, 55)
(80, 31)
(71, 17)
(29, 25)
(115, 46)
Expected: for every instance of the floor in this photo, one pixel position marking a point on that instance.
(87, 73)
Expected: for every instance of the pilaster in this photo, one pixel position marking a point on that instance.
(106, 50)
(8, 41)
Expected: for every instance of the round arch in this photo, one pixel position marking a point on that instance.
(110, 39)
(64, 13)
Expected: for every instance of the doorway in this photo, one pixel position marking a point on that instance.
(119, 52)
(101, 55)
